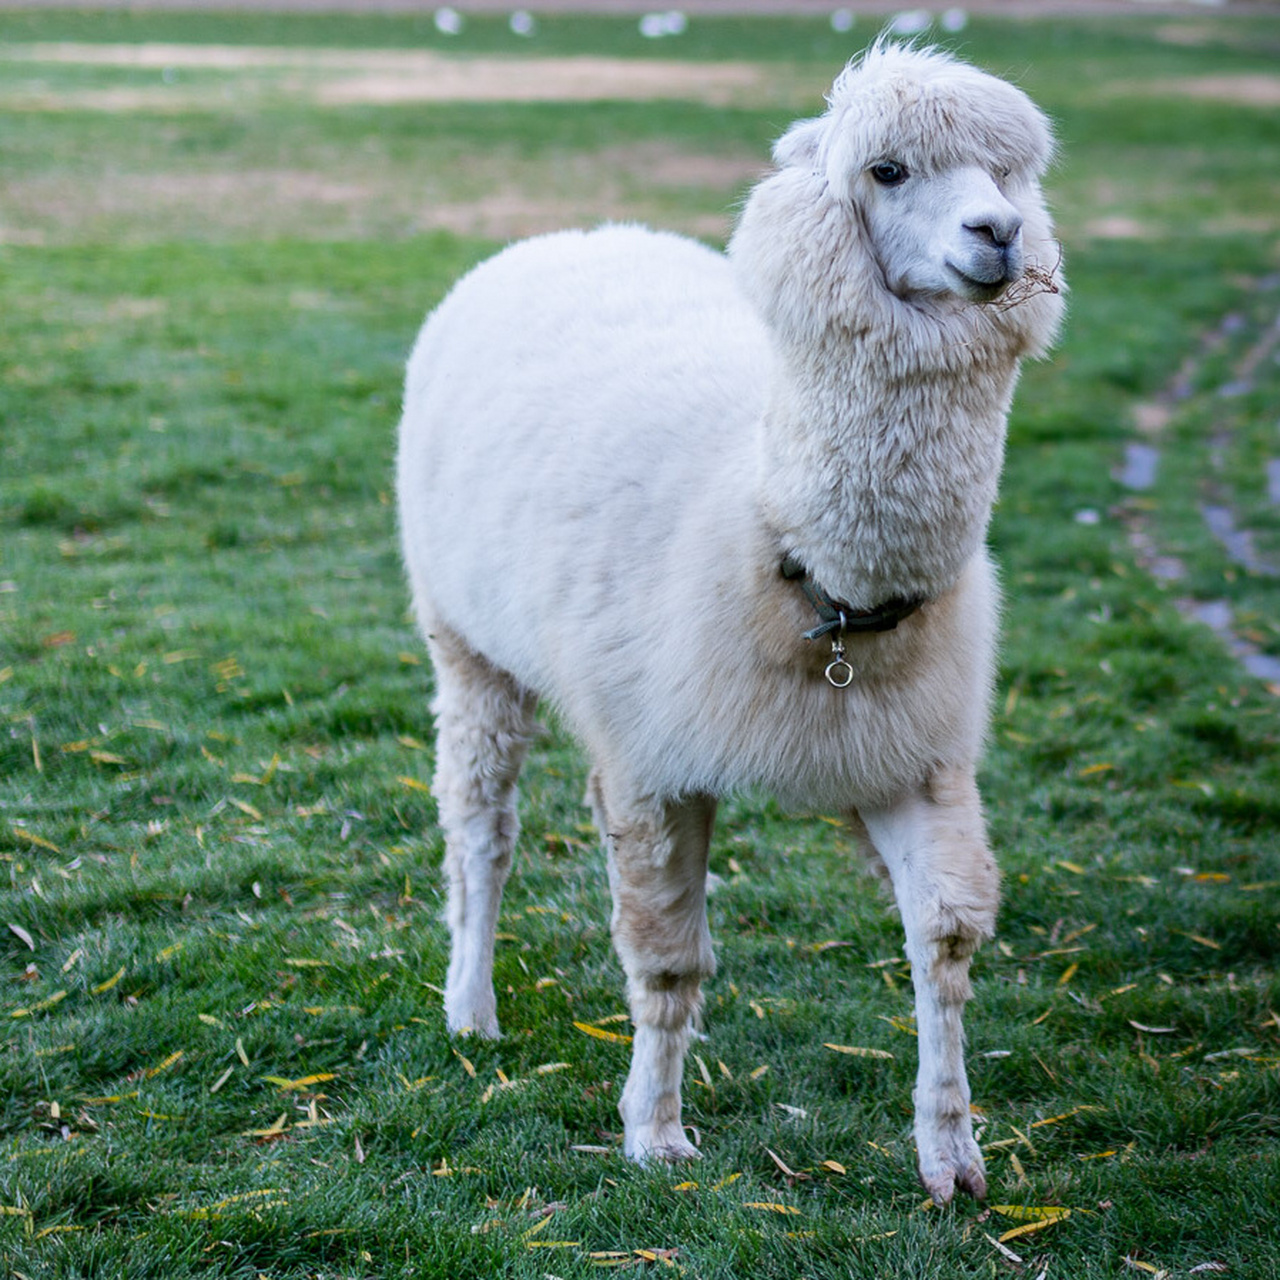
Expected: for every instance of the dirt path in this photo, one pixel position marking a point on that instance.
(1141, 474)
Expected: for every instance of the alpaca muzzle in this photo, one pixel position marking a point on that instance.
(989, 267)
(990, 256)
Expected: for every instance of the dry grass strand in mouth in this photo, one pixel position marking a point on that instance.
(1035, 280)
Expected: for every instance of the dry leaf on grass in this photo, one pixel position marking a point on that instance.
(1066, 1115)
(1138, 1265)
(31, 838)
(22, 935)
(599, 1033)
(857, 1051)
(287, 1086)
(1004, 1250)
(1032, 1217)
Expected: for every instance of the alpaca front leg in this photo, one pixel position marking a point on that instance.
(658, 873)
(947, 888)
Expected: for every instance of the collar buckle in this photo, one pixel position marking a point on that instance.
(840, 618)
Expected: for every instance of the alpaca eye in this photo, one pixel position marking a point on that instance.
(889, 173)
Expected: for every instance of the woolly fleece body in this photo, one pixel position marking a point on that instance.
(611, 440)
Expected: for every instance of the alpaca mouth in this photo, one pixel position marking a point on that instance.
(978, 289)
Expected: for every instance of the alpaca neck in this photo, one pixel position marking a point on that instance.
(880, 469)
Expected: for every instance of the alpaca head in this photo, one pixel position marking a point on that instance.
(919, 182)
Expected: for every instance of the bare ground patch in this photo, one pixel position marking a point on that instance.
(1255, 89)
(499, 196)
(1247, 90)
(1118, 227)
(143, 207)
(378, 76)
(552, 80)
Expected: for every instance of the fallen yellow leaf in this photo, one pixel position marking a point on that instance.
(1139, 1265)
(39, 841)
(1066, 1115)
(303, 1083)
(278, 1127)
(1195, 937)
(857, 1051)
(56, 998)
(600, 1034)
(165, 1065)
(1031, 1212)
(1028, 1227)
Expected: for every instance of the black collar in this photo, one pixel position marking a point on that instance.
(838, 616)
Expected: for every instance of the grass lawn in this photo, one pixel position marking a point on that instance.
(222, 1049)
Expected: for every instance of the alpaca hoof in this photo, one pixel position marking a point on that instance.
(953, 1164)
(486, 1031)
(942, 1184)
(663, 1146)
(472, 1022)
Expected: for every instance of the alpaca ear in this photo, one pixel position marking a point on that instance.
(801, 145)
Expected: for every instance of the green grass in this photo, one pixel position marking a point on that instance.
(214, 739)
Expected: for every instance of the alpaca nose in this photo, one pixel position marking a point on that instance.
(999, 230)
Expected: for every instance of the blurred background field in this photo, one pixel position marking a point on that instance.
(223, 1051)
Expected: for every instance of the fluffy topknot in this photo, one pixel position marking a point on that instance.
(925, 109)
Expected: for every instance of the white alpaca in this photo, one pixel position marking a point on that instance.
(611, 444)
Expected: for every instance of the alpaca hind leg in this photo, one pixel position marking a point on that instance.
(484, 721)
(658, 874)
(934, 847)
